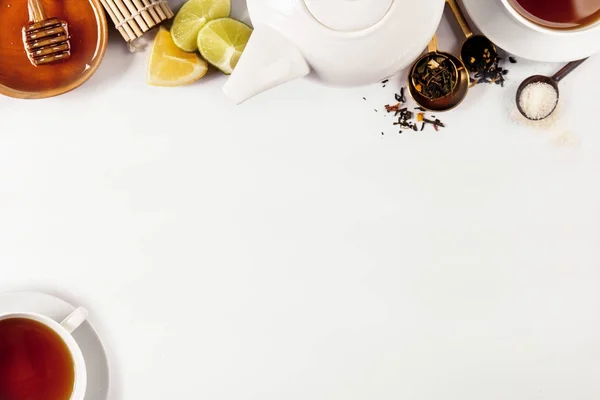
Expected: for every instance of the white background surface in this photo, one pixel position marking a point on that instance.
(285, 249)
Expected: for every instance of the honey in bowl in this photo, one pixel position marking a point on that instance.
(559, 14)
(87, 29)
(35, 363)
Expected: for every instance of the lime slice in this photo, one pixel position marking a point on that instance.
(192, 16)
(222, 41)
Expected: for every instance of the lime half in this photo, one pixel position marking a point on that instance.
(222, 41)
(192, 16)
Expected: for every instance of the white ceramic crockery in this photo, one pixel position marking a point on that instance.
(559, 32)
(343, 42)
(496, 22)
(64, 331)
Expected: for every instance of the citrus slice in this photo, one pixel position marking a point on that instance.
(170, 66)
(192, 16)
(222, 41)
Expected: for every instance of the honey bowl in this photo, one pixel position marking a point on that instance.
(88, 36)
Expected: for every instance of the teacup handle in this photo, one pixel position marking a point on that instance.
(75, 319)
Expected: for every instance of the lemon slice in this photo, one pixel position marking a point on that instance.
(222, 41)
(192, 16)
(170, 66)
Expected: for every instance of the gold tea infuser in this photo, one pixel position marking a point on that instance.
(458, 92)
(46, 39)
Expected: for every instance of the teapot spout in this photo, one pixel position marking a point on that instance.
(269, 60)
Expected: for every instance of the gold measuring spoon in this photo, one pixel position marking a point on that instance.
(477, 51)
(459, 90)
(552, 81)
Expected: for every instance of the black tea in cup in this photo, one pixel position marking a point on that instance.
(559, 14)
(35, 363)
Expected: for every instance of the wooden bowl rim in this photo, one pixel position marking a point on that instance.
(100, 50)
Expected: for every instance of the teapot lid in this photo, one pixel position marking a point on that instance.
(348, 15)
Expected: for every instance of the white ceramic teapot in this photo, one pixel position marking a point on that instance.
(343, 42)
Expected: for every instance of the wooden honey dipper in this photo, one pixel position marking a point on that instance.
(46, 39)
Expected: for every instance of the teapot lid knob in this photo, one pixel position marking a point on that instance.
(348, 15)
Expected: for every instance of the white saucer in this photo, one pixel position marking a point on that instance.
(98, 381)
(494, 21)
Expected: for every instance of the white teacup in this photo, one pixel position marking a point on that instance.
(543, 29)
(64, 330)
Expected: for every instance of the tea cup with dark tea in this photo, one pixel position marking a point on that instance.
(39, 359)
(560, 17)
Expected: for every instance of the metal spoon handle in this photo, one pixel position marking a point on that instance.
(567, 69)
(432, 47)
(460, 17)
